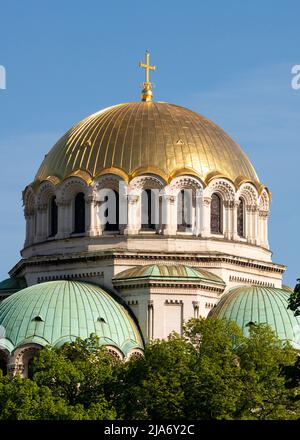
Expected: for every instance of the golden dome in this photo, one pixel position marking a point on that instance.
(138, 137)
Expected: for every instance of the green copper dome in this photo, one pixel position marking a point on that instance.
(56, 312)
(165, 272)
(260, 305)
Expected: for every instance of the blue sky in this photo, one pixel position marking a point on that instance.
(229, 60)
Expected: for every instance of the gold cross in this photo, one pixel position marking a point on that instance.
(147, 67)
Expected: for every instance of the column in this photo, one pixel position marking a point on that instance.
(134, 215)
(42, 223)
(255, 224)
(29, 217)
(234, 232)
(198, 204)
(227, 220)
(169, 214)
(249, 223)
(90, 216)
(65, 218)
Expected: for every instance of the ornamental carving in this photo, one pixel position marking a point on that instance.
(223, 187)
(72, 186)
(109, 182)
(185, 182)
(45, 192)
(264, 202)
(146, 182)
(249, 193)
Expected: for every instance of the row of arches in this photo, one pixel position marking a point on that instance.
(21, 360)
(183, 206)
(184, 214)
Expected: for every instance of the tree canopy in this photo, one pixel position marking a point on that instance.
(212, 372)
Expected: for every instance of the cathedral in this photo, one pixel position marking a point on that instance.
(142, 216)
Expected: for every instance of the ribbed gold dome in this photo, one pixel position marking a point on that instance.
(140, 137)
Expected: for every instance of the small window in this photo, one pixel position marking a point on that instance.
(79, 211)
(53, 217)
(38, 319)
(114, 206)
(184, 210)
(241, 218)
(147, 208)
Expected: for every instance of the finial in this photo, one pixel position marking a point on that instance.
(147, 85)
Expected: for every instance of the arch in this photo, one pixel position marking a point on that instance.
(264, 201)
(70, 187)
(241, 218)
(53, 217)
(135, 353)
(147, 182)
(223, 187)
(22, 356)
(45, 191)
(249, 194)
(116, 354)
(216, 220)
(29, 199)
(79, 213)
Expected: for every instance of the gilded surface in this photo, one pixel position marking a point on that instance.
(139, 136)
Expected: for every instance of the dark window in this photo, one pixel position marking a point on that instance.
(147, 209)
(79, 211)
(53, 217)
(114, 225)
(3, 365)
(184, 210)
(30, 368)
(240, 218)
(215, 215)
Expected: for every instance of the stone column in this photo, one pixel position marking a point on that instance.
(65, 218)
(249, 224)
(255, 234)
(16, 369)
(263, 221)
(169, 214)
(29, 217)
(90, 216)
(198, 205)
(205, 217)
(134, 215)
(228, 219)
(234, 232)
(42, 223)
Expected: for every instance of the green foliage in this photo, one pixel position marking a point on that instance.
(294, 299)
(212, 372)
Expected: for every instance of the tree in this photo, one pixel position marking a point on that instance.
(263, 363)
(294, 299)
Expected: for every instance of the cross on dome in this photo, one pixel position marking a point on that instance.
(147, 94)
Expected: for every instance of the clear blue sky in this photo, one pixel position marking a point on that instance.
(229, 60)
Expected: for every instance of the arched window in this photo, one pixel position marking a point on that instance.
(53, 217)
(147, 209)
(240, 218)
(216, 215)
(113, 215)
(79, 214)
(184, 210)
